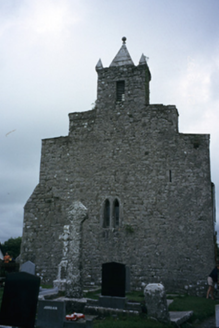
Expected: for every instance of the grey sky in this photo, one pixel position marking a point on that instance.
(48, 53)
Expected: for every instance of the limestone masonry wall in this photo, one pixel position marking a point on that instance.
(131, 154)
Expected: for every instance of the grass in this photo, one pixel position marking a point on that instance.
(93, 294)
(129, 322)
(201, 307)
(132, 297)
(135, 297)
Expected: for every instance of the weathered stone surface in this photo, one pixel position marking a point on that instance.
(62, 267)
(133, 152)
(156, 303)
(77, 213)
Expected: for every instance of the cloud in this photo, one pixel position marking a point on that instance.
(51, 18)
(195, 83)
(49, 49)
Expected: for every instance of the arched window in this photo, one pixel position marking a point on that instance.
(106, 214)
(116, 212)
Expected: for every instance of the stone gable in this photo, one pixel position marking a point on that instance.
(146, 186)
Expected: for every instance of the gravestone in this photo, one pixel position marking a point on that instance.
(51, 314)
(19, 301)
(28, 267)
(113, 279)
(113, 286)
(156, 302)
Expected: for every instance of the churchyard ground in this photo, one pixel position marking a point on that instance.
(202, 308)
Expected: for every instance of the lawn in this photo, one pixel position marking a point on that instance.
(129, 322)
(201, 307)
(133, 296)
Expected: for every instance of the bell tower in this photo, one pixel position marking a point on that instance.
(123, 83)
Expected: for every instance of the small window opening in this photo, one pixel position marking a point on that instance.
(106, 217)
(170, 176)
(116, 212)
(120, 90)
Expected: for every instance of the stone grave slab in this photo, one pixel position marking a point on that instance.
(48, 291)
(19, 301)
(51, 314)
(28, 267)
(113, 279)
(179, 317)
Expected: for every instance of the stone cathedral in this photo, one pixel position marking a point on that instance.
(146, 187)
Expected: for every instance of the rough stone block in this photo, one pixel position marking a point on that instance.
(156, 302)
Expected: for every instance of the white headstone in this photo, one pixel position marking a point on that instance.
(156, 302)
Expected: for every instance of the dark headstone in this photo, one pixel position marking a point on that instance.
(113, 279)
(28, 267)
(51, 314)
(19, 301)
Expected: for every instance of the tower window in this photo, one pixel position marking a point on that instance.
(116, 212)
(111, 213)
(106, 215)
(120, 90)
(170, 176)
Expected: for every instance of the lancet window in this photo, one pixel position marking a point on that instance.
(111, 213)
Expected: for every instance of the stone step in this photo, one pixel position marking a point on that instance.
(179, 317)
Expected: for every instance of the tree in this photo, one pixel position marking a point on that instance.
(12, 246)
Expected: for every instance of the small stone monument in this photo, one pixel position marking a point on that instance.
(50, 314)
(156, 303)
(113, 279)
(113, 285)
(69, 270)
